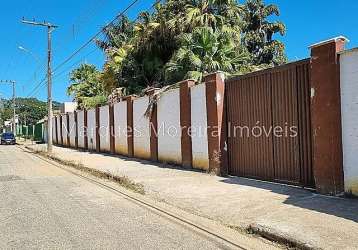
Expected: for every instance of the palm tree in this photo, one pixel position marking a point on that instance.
(201, 13)
(187, 38)
(116, 35)
(206, 51)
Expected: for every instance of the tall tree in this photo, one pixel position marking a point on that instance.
(159, 47)
(259, 31)
(85, 83)
(205, 51)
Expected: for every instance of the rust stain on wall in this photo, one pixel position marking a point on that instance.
(142, 153)
(201, 163)
(170, 160)
(121, 149)
(352, 187)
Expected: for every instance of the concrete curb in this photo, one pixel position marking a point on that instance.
(277, 236)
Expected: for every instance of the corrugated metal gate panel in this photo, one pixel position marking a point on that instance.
(285, 117)
(305, 142)
(271, 98)
(254, 157)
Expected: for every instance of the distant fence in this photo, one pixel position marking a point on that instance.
(36, 132)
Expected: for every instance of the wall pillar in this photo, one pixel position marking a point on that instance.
(326, 116)
(216, 119)
(55, 128)
(98, 138)
(61, 134)
(85, 129)
(68, 129)
(111, 129)
(76, 129)
(185, 123)
(130, 128)
(153, 123)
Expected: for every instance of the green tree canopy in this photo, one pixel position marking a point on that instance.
(181, 39)
(203, 51)
(259, 32)
(86, 86)
(29, 110)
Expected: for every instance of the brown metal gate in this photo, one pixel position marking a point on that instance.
(268, 117)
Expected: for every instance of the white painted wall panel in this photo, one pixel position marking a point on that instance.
(44, 132)
(199, 127)
(349, 102)
(64, 129)
(104, 130)
(54, 130)
(72, 129)
(141, 128)
(120, 127)
(58, 130)
(81, 129)
(91, 129)
(169, 130)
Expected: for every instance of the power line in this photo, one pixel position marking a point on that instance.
(76, 63)
(87, 15)
(85, 44)
(37, 88)
(97, 34)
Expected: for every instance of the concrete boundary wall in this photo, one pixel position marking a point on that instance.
(104, 129)
(58, 130)
(159, 137)
(72, 129)
(120, 128)
(80, 128)
(200, 109)
(141, 126)
(349, 104)
(169, 129)
(65, 129)
(91, 129)
(199, 123)
(54, 130)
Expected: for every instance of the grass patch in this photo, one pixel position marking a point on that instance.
(280, 240)
(123, 181)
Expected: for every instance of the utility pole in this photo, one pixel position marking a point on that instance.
(1, 109)
(13, 103)
(50, 28)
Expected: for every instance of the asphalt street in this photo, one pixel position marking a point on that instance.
(44, 207)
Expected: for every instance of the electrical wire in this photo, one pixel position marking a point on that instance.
(92, 39)
(37, 89)
(85, 45)
(95, 36)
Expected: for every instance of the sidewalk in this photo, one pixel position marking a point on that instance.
(313, 220)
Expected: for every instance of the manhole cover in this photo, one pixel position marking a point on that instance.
(10, 178)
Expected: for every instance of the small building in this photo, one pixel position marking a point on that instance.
(68, 107)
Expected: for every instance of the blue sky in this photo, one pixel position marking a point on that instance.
(307, 21)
